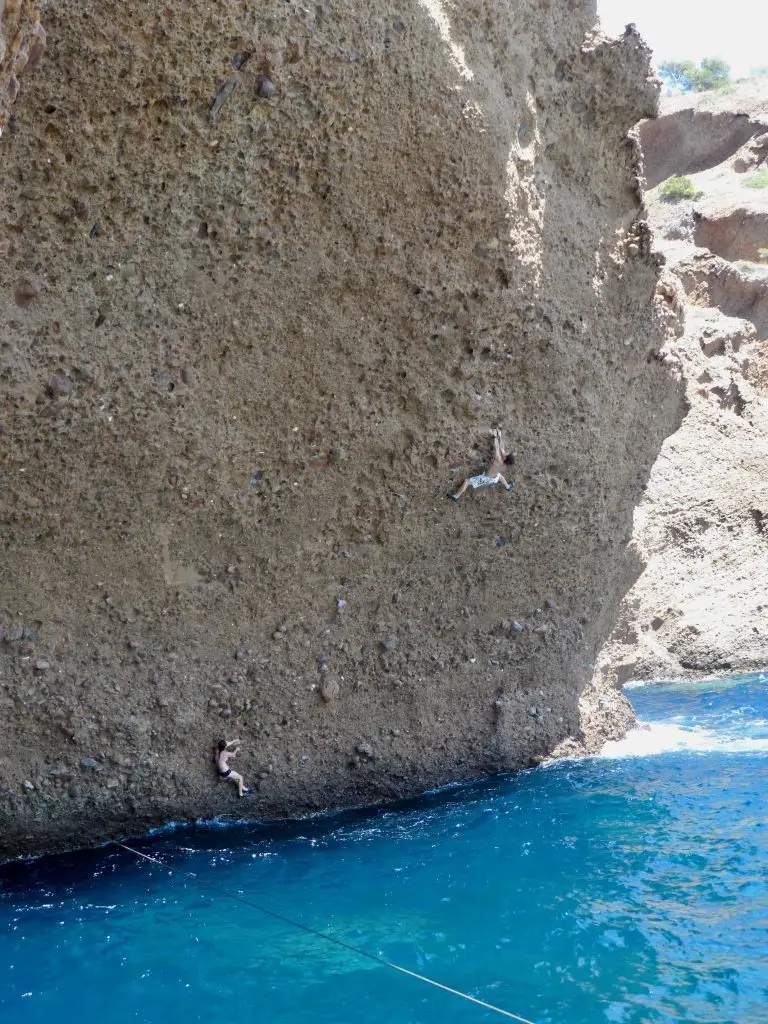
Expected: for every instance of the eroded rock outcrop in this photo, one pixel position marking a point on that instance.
(701, 605)
(273, 271)
(712, 282)
(701, 131)
(689, 141)
(735, 228)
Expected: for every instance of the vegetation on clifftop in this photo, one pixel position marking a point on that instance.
(685, 76)
(677, 188)
(758, 180)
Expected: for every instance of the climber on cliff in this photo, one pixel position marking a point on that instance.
(493, 475)
(223, 755)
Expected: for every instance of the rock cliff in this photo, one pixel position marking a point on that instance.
(271, 273)
(701, 605)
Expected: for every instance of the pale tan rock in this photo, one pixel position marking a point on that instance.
(699, 607)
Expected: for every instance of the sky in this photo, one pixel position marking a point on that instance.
(735, 30)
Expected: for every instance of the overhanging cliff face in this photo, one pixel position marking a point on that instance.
(271, 274)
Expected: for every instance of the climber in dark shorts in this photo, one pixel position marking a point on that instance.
(223, 754)
(493, 475)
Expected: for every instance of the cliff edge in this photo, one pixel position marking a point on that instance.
(271, 274)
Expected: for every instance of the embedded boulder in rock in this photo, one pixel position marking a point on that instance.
(273, 272)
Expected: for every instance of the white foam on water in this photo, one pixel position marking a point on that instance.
(665, 737)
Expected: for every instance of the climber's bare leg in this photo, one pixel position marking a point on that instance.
(237, 778)
(458, 494)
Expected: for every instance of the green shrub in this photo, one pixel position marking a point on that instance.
(675, 189)
(762, 255)
(759, 180)
(685, 76)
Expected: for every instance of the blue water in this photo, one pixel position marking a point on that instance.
(630, 888)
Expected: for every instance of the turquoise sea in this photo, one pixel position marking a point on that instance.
(629, 888)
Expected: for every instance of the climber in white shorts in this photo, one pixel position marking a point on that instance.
(493, 475)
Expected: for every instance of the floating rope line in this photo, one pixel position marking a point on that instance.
(329, 938)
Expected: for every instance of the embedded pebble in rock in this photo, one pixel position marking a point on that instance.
(25, 293)
(59, 385)
(266, 88)
(329, 690)
(371, 232)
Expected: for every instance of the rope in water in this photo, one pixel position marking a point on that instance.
(329, 938)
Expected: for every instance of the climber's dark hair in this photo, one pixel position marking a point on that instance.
(222, 744)
(509, 460)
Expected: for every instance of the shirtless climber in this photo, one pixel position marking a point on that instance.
(223, 755)
(493, 474)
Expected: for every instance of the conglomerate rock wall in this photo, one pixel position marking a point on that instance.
(271, 273)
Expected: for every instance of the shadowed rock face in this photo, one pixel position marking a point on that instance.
(271, 275)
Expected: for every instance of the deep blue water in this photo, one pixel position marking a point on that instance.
(630, 888)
